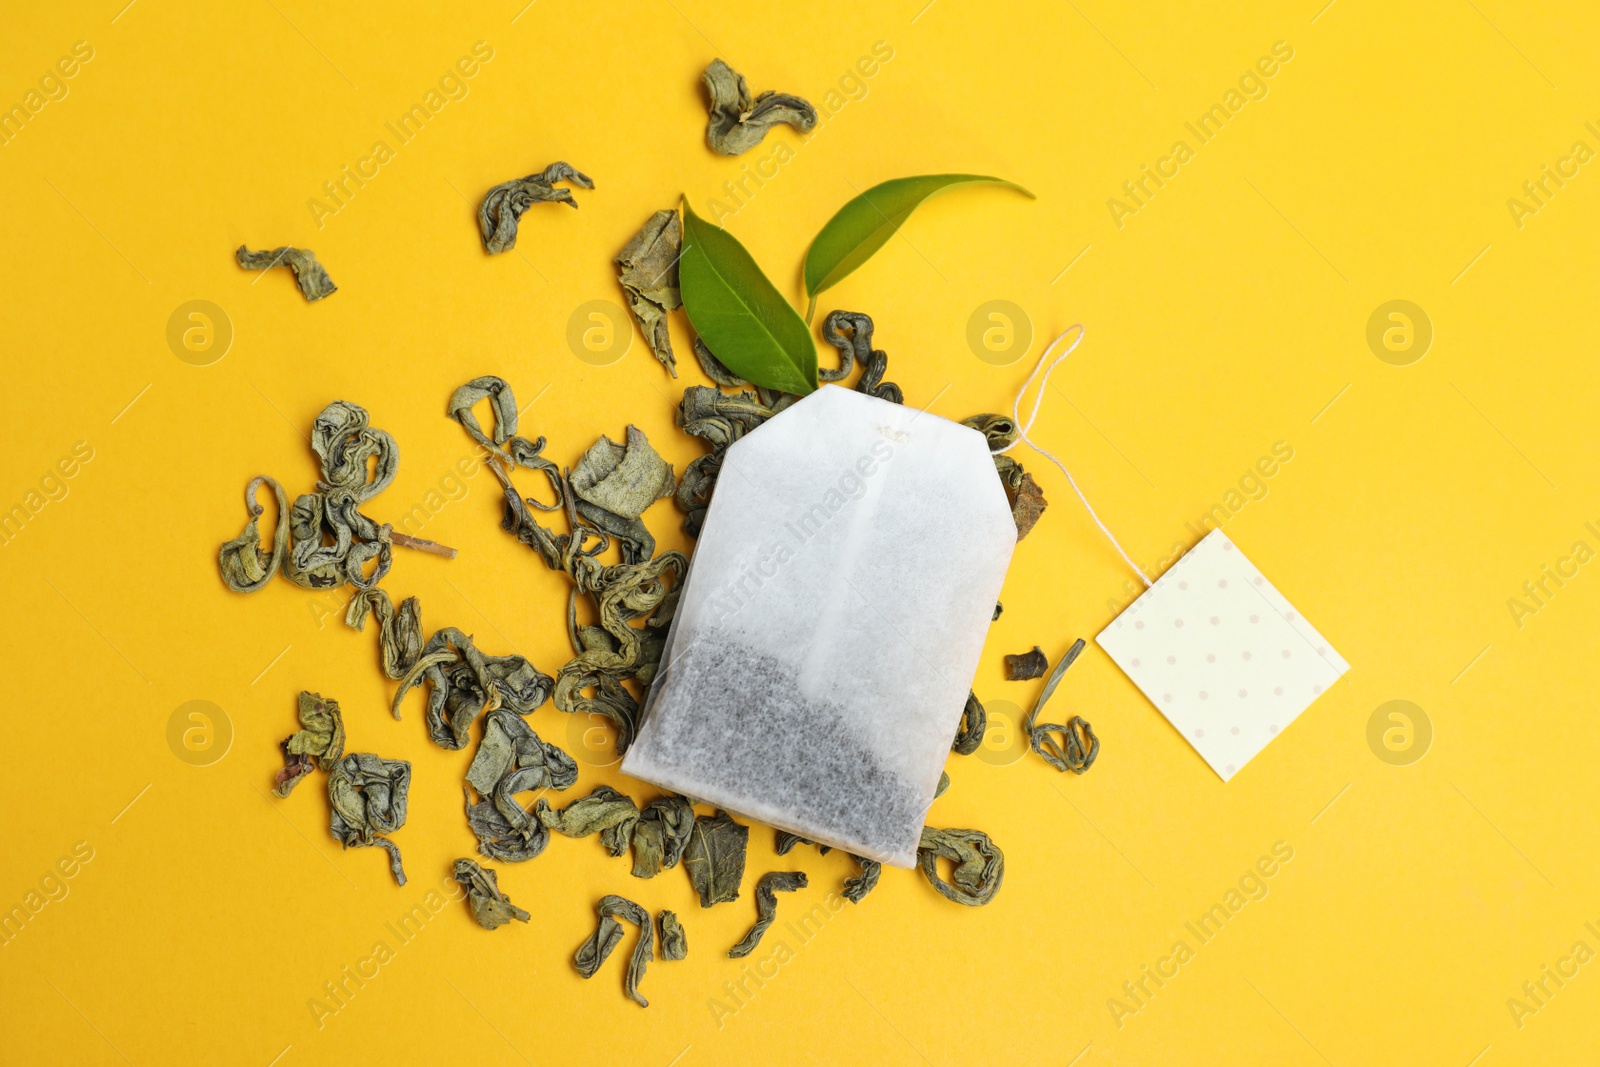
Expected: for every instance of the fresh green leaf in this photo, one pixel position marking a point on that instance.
(739, 314)
(863, 225)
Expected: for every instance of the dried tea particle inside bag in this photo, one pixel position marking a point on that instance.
(823, 649)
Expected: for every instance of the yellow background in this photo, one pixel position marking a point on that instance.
(1228, 314)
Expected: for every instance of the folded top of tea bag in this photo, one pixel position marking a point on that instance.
(831, 623)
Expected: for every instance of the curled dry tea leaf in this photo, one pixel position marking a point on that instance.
(368, 794)
(245, 568)
(719, 419)
(738, 312)
(661, 835)
(318, 743)
(737, 123)
(674, 943)
(714, 368)
(593, 952)
(399, 633)
(767, 889)
(786, 841)
(511, 759)
(614, 484)
(944, 783)
(464, 683)
(308, 273)
(979, 864)
(1027, 499)
(998, 608)
(504, 204)
(974, 721)
(1026, 665)
(605, 811)
(647, 267)
(715, 857)
(858, 887)
(851, 333)
(864, 224)
(490, 907)
(1079, 747)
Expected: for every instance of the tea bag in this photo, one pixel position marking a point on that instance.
(831, 622)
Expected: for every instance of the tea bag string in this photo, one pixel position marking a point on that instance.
(1075, 332)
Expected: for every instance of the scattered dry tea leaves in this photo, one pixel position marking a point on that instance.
(368, 794)
(738, 123)
(767, 888)
(979, 864)
(674, 943)
(1026, 665)
(647, 267)
(1078, 747)
(308, 273)
(503, 205)
(490, 907)
(318, 743)
(715, 857)
(593, 952)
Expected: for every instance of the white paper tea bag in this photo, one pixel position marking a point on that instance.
(831, 622)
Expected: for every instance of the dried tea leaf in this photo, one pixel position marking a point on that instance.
(605, 811)
(1078, 747)
(615, 483)
(400, 631)
(674, 943)
(979, 865)
(368, 794)
(245, 568)
(308, 273)
(490, 907)
(786, 841)
(715, 857)
(318, 743)
(974, 721)
(944, 783)
(464, 683)
(511, 759)
(1026, 665)
(647, 267)
(1027, 499)
(504, 204)
(719, 419)
(850, 332)
(1027, 504)
(714, 368)
(863, 883)
(593, 952)
(737, 123)
(998, 608)
(661, 835)
(767, 888)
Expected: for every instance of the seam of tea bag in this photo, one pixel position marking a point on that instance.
(1022, 433)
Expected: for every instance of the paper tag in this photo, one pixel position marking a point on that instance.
(1221, 653)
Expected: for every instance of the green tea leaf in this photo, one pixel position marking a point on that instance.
(1078, 747)
(605, 811)
(490, 907)
(660, 836)
(1025, 665)
(318, 743)
(974, 721)
(593, 952)
(309, 275)
(368, 794)
(715, 857)
(740, 314)
(738, 122)
(863, 225)
(674, 944)
(980, 866)
(767, 907)
(503, 205)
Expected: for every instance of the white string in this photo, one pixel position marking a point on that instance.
(1023, 428)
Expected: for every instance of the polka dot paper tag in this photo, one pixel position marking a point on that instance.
(1222, 654)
